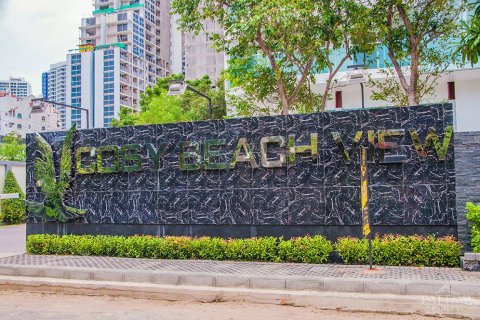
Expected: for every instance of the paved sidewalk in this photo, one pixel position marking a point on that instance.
(431, 291)
(254, 275)
(235, 268)
(12, 240)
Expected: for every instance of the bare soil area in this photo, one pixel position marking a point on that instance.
(16, 305)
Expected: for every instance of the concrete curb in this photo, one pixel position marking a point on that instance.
(347, 301)
(218, 280)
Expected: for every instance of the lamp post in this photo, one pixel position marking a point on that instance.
(178, 87)
(357, 75)
(40, 101)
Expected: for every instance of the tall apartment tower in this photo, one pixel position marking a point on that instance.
(16, 86)
(199, 56)
(124, 48)
(54, 87)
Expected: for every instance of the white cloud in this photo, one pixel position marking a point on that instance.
(37, 33)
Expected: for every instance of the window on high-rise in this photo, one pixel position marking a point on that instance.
(122, 16)
(122, 27)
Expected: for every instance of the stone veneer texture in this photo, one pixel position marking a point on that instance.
(467, 171)
(324, 193)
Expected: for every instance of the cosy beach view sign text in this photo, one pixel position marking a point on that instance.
(198, 155)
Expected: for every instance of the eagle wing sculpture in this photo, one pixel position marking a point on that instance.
(54, 206)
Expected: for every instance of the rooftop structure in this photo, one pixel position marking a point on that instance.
(16, 86)
(18, 115)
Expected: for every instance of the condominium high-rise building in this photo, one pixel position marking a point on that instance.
(16, 86)
(54, 87)
(199, 56)
(124, 47)
(194, 55)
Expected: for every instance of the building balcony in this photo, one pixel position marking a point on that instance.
(125, 57)
(87, 38)
(89, 26)
(125, 69)
(88, 23)
(150, 31)
(125, 80)
(125, 101)
(102, 2)
(126, 92)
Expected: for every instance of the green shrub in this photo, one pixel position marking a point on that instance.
(308, 249)
(473, 217)
(395, 250)
(386, 250)
(13, 210)
(352, 250)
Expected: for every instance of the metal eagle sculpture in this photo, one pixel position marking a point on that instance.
(53, 207)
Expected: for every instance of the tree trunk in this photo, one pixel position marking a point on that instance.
(414, 74)
(283, 97)
(325, 95)
(412, 100)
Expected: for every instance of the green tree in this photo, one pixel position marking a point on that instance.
(12, 148)
(469, 45)
(416, 34)
(157, 107)
(13, 210)
(276, 47)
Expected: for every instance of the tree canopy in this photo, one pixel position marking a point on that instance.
(469, 45)
(416, 34)
(157, 107)
(12, 148)
(276, 47)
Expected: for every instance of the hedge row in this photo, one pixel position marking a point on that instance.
(394, 250)
(306, 249)
(388, 250)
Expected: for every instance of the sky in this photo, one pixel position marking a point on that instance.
(37, 33)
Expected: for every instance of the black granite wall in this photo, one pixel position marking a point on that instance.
(320, 197)
(467, 174)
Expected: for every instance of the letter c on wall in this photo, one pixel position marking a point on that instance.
(78, 156)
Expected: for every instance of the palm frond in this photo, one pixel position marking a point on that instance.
(70, 212)
(35, 208)
(44, 167)
(65, 174)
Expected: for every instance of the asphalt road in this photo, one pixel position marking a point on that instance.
(12, 240)
(16, 305)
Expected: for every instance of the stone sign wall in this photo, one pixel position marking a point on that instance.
(278, 175)
(467, 174)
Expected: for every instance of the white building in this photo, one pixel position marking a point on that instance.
(123, 49)
(18, 115)
(194, 56)
(54, 87)
(200, 58)
(459, 86)
(16, 86)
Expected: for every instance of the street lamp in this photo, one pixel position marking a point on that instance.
(178, 87)
(357, 75)
(38, 103)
